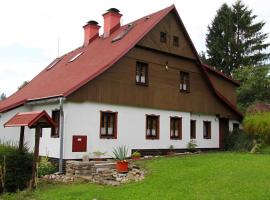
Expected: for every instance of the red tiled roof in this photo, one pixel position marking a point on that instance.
(29, 119)
(66, 77)
(259, 107)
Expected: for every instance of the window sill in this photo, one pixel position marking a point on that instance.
(175, 138)
(104, 137)
(152, 138)
(207, 138)
(184, 91)
(55, 136)
(142, 84)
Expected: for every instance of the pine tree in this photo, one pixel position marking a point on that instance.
(234, 40)
(219, 38)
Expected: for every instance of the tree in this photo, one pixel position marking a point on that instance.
(3, 97)
(234, 40)
(23, 84)
(255, 85)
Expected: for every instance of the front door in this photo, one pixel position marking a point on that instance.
(223, 130)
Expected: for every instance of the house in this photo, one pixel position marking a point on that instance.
(141, 85)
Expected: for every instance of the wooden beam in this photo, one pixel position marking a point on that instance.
(21, 138)
(35, 159)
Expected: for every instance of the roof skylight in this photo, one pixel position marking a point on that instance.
(52, 64)
(123, 33)
(75, 57)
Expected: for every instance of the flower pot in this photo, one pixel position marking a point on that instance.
(122, 166)
(136, 157)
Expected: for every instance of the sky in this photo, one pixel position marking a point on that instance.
(35, 32)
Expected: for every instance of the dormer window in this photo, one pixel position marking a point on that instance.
(163, 37)
(75, 57)
(141, 73)
(175, 41)
(184, 82)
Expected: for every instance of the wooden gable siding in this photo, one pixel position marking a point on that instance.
(225, 87)
(169, 25)
(117, 86)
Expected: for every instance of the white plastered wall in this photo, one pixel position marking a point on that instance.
(84, 119)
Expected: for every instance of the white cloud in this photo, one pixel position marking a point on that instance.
(39, 24)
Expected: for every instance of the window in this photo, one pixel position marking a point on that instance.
(53, 63)
(184, 82)
(175, 41)
(41, 132)
(152, 127)
(75, 57)
(141, 73)
(108, 125)
(56, 119)
(163, 37)
(206, 130)
(192, 129)
(176, 128)
(235, 126)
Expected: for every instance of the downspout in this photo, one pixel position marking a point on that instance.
(61, 131)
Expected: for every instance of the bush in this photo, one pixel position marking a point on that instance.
(258, 125)
(238, 141)
(136, 154)
(192, 144)
(18, 166)
(18, 170)
(45, 167)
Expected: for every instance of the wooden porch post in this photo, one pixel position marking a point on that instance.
(21, 138)
(35, 159)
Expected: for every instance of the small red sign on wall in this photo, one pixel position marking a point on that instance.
(79, 143)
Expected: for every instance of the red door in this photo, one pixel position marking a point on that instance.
(223, 130)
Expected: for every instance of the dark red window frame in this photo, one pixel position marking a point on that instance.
(206, 129)
(192, 129)
(152, 127)
(163, 37)
(184, 82)
(56, 119)
(108, 124)
(175, 41)
(175, 128)
(141, 76)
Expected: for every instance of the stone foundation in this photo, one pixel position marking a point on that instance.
(101, 172)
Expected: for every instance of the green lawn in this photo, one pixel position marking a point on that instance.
(211, 176)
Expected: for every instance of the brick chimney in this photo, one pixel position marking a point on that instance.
(91, 32)
(111, 21)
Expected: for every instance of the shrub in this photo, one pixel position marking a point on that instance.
(192, 144)
(238, 141)
(136, 154)
(18, 166)
(258, 125)
(45, 167)
(18, 170)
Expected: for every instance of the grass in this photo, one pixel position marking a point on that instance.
(212, 176)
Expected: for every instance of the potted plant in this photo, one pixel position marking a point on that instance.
(171, 150)
(136, 155)
(120, 154)
(98, 154)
